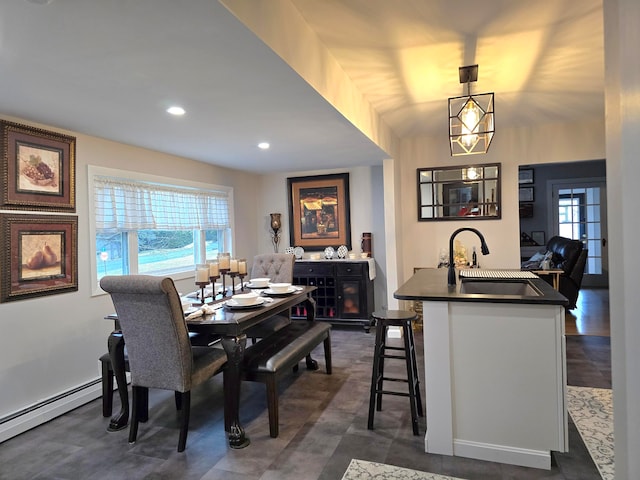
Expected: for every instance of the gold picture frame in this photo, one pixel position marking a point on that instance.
(37, 168)
(319, 213)
(39, 255)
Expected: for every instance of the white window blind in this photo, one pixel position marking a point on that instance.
(125, 205)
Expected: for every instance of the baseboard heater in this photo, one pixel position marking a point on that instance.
(30, 417)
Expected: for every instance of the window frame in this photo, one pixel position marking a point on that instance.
(93, 171)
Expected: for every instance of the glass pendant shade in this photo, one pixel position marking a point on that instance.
(471, 126)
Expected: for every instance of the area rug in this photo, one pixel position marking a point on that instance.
(363, 470)
(591, 410)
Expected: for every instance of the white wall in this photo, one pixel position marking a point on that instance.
(51, 344)
(622, 79)
(422, 241)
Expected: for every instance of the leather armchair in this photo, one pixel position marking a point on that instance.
(570, 256)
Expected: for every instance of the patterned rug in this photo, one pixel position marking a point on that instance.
(363, 470)
(591, 410)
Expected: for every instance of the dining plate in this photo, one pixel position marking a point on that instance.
(250, 285)
(234, 305)
(289, 291)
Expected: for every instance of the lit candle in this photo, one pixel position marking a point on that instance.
(213, 269)
(223, 261)
(202, 274)
(242, 267)
(234, 265)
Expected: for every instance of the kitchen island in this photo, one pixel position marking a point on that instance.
(495, 370)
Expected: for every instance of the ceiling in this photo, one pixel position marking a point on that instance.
(111, 68)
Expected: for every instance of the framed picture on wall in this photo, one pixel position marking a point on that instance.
(525, 176)
(319, 213)
(39, 255)
(525, 194)
(37, 168)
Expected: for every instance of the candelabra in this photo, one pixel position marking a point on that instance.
(276, 224)
(223, 273)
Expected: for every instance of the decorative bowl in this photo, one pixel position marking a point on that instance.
(279, 287)
(260, 282)
(246, 298)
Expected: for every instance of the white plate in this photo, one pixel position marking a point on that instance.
(231, 303)
(250, 285)
(328, 253)
(342, 251)
(289, 291)
(298, 252)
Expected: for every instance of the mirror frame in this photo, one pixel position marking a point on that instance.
(463, 184)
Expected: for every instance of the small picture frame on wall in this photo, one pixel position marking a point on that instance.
(39, 255)
(525, 194)
(525, 176)
(37, 169)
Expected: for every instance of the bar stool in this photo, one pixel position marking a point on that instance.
(384, 320)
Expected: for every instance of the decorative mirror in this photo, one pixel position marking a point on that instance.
(471, 192)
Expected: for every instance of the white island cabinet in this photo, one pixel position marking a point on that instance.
(495, 373)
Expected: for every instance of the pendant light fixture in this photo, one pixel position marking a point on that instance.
(471, 119)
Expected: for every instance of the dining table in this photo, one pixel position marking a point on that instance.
(230, 324)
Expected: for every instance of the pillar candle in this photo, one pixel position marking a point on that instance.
(202, 274)
(223, 261)
(242, 267)
(234, 265)
(213, 269)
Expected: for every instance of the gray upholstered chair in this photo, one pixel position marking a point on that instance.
(159, 352)
(278, 267)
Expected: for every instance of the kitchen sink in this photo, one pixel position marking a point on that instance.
(505, 287)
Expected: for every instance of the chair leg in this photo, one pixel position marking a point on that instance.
(178, 396)
(381, 353)
(272, 404)
(411, 380)
(107, 388)
(185, 414)
(327, 353)
(415, 373)
(136, 392)
(374, 375)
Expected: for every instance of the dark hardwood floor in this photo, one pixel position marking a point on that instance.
(323, 425)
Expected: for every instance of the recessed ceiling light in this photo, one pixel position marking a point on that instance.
(263, 145)
(176, 111)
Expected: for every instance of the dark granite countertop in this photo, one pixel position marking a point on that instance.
(430, 285)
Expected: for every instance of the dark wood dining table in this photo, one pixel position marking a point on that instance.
(231, 325)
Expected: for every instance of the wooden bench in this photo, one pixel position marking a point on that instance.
(280, 352)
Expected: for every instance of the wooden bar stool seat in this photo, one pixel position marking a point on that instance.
(384, 320)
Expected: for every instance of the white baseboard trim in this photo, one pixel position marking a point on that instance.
(48, 410)
(503, 454)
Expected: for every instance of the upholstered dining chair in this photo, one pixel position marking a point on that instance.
(278, 268)
(159, 351)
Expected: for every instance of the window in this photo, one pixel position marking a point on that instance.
(155, 226)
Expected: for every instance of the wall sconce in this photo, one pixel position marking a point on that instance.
(276, 224)
(471, 126)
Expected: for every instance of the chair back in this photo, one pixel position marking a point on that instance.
(276, 266)
(154, 329)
